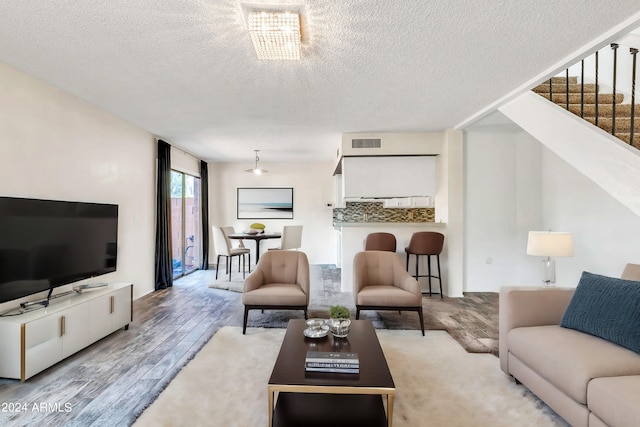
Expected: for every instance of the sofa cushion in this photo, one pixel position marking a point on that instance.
(615, 400)
(606, 307)
(569, 359)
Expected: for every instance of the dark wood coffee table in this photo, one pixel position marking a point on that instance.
(321, 399)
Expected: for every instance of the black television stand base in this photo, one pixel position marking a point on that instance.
(43, 303)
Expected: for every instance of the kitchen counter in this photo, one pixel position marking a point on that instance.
(389, 224)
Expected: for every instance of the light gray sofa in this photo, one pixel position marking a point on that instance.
(587, 380)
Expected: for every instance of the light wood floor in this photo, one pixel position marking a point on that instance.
(111, 381)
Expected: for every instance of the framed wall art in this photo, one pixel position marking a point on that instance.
(265, 203)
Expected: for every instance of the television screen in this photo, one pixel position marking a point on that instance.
(47, 243)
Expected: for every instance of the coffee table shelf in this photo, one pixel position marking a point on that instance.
(301, 392)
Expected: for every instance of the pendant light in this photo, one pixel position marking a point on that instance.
(256, 170)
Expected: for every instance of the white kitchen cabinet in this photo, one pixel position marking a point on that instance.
(388, 176)
(408, 202)
(398, 202)
(36, 340)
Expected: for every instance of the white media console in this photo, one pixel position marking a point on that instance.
(35, 340)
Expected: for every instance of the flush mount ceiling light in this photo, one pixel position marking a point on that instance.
(275, 35)
(256, 170)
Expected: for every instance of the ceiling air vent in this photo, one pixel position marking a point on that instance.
(366, 143)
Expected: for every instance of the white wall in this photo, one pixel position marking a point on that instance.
(55, 146)
(515, 184)
(313, 187)
(605, 233)
(606, 160)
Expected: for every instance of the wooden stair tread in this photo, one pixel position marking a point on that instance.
(583, 104)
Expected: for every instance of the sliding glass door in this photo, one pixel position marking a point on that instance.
(185, 223)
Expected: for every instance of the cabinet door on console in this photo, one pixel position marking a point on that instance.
(43, 344)
(110, 312)
(101, 317)
(122, 308)
(75, 325)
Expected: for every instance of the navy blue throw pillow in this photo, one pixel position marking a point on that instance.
(606, 307)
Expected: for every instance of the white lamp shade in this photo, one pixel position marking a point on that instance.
(550, 243)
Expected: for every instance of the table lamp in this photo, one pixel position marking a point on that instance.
(548, 244)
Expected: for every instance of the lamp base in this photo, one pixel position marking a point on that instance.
(549, 272)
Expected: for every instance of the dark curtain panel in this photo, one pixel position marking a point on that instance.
(204, 202)
(163, 265)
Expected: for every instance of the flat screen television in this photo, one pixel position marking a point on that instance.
(47, 243)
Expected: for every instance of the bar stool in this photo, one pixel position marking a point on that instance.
(426, 243)
(380, 242)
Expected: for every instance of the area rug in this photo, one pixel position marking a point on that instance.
(437, 383)
(472, 321)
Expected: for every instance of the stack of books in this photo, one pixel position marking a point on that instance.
(328, 361)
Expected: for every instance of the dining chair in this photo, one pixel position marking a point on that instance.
(240, 245)
(222, 245)
(291, 238)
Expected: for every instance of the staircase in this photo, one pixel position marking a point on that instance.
(588, 109)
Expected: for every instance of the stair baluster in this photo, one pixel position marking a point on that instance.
(597, 90)
(634, 53)
(567, 86)
(614, 46)
(582, 88)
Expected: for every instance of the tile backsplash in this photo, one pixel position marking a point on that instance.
(375, 212)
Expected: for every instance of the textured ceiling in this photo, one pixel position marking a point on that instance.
(186, 71)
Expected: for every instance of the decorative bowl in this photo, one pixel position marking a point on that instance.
(316, 323)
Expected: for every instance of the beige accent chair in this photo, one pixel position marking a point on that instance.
(280, 281)
(222, 245)
(382, 283)
(291, 237)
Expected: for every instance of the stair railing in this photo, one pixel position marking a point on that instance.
(634, 53)
(614, 48)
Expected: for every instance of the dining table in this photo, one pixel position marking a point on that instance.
(257, 237)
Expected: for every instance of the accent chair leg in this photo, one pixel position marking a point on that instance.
(421, 319)
(357, 313)
(305, 314)
(244, 322)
